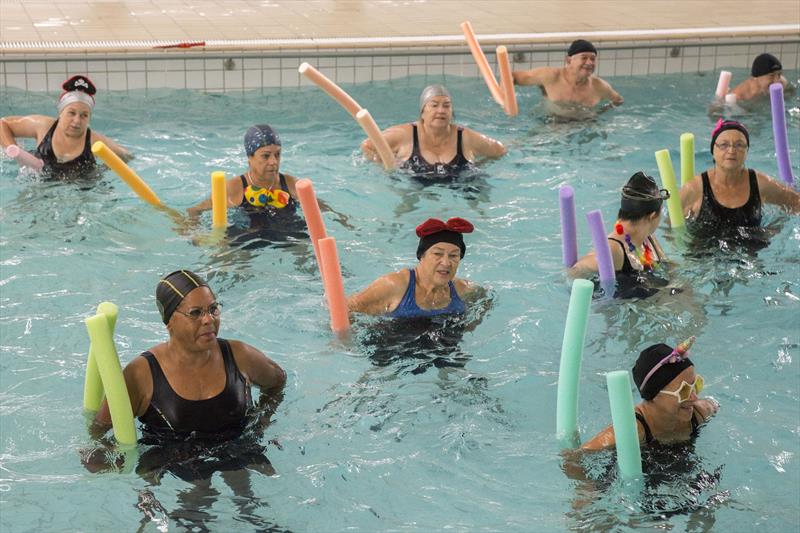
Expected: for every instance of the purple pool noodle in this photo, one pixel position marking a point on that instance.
(780, 133)
(605, 265)
(569, 235)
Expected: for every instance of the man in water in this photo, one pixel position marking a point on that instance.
(765, 71)
(573, 87)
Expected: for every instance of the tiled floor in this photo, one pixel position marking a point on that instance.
(199, 20)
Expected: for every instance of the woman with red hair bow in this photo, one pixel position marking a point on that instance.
(431, 288)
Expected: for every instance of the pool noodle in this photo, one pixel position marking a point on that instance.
(570, 368)
(219, 200)
(667, 172)
(780, 134)
(93, 385)
(24, 158)
(124, 171)
(569, 234)
(730, 100)
(629, 456)
(312, 214)
(334, 287)
(507, 82)
(605, 265)
(333, 90)
(378, 140)
(483, 64)
(723, 84)
(687, 159)
(119, 403)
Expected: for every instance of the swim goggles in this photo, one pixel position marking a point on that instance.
(262, 196)
(676, 356)
(684, 392)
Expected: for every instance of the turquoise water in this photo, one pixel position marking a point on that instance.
(367, 447)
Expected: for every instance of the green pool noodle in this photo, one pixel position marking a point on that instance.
(93, 385)
(570, 368)
(668, 181)
(119, 403)
(629, 457)
(687, 158)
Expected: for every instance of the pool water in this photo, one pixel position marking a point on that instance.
(365, 444)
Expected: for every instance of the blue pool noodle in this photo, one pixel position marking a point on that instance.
(570, 369)
(569, 234)
(780, 134)
(629, 456)
(605, 265)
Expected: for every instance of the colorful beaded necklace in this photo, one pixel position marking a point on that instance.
(645, 257)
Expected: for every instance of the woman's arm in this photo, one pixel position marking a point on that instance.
(381, 296)
(30, 126)
(122, 152)
(477, 146)
(777, 193)
(139, 383)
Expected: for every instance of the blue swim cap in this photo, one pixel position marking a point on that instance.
(258, 136)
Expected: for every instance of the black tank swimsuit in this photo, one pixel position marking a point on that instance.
(712, 213)
(247, 206)
(221, 417)
(68, 169)
(648, 435)
(419, 166)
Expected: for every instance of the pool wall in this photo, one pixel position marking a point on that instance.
(246, 66)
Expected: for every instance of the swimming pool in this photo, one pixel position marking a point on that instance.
(369, 447)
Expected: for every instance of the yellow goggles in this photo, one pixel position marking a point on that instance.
(684, 392)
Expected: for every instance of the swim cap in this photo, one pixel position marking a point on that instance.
(77, 89)
(433, 231)
(764, 64)
(579, 46)
(173, 288)
(258, 136)
(723, 125)
(649, 359)
(429, 92)
(642, 195)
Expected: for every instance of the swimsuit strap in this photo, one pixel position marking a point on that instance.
(415, 137)
(627, 268)
(648, 435)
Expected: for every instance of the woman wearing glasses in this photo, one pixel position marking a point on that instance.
(195, 385)
(634, 248)
(672, 410)
(730, 195)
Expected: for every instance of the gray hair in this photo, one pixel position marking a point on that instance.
(429, 92)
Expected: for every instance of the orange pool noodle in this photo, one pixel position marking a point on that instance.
(334, 287)
(333, 90)
(311, 212)
(219, 200)
(124, 171)
(507, 83)
(378, 141)
(483, 64)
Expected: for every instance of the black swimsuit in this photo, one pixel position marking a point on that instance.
(712, 213)
(648, 435)
(418, 165)
(68, 169)
(220, 418)
(627, 268)
(247, 206)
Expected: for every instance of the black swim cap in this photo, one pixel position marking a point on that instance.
(434, 231)
(723, 125)
(648, 359)
(642, 195)
(764, 64)
(581, 46)
(173, 288)
(258, 136)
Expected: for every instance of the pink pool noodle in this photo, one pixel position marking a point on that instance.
(334, 287)
(780, 133)
(723, 84)
(605, 265)
(312, 214)
(569, 235)
(23, 158)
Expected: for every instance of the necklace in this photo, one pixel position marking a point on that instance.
(645, 256)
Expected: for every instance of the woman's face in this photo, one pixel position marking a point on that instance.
(730, 150)
(669, 403)
(199, 333)
(438, 111)
(73, 120)
(439, 263)
(265, 162)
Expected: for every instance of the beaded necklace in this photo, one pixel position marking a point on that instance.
(646, 255)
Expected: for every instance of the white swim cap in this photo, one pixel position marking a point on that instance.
(429, 92)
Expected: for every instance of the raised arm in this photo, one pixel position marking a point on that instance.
(31, 126)
(539, 76)
(780, 194)
(479, 146)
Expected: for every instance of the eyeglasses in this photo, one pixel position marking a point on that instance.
(197, 313)
(737, 146)
(684, 392)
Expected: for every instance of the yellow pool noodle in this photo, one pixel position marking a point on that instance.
(219, 200)
(93, 385)
(124, 171)
(668, 181)
(687, 158)
(119, 403)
